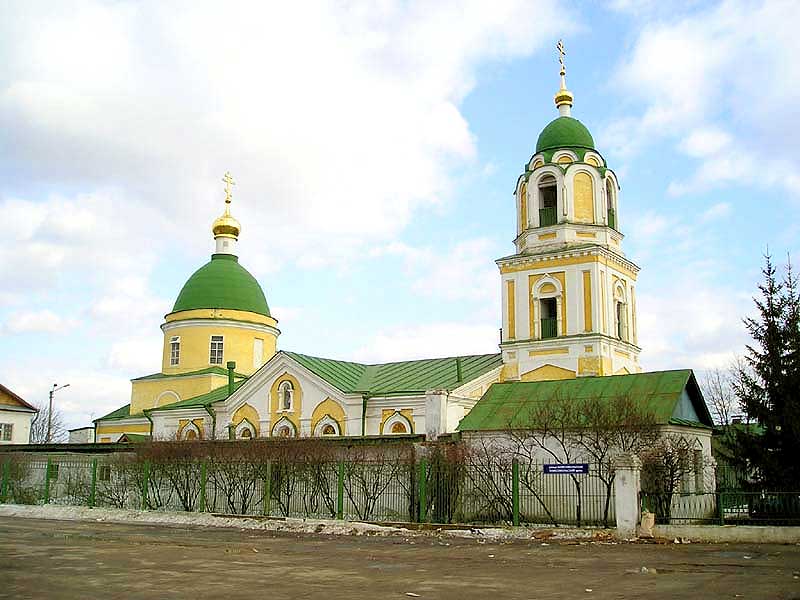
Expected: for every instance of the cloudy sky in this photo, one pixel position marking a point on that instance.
(375, 147)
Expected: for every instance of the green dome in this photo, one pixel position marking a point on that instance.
(564, 132)
(222, 283)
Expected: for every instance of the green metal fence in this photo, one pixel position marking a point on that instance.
(487, 491)
(725, 508)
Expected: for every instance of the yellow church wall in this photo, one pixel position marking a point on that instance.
(195, 349)
(584, 198)
(329, 408)
(246, 411)
(547, 373)
(594, 365)
(565, 262)
(523, 207)
(144, 393)
(587, 301)
(510, 371)
(119, 429)
(221, 313)
(512, 309)
(292, 415)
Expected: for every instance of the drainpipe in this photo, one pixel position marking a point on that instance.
(231, 366)
(147, 414)
(213, 414)
(364, 415)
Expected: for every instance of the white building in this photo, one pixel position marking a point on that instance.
(16, 417)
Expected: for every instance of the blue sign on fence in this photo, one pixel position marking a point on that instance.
(566, 469)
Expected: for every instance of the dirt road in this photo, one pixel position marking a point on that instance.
(57, 559)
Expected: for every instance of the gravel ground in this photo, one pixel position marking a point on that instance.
(102, 559)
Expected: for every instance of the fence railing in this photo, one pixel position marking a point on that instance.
(490, 491)
(547, 216)
(724, 508)
(549, 328)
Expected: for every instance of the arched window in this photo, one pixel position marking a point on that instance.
(548, 308)
(328, 430)
(191, 435)
(399, 427)
(548, 201)
(611, 204)
(620, 313)
(286, 395)
(174, 350)
(284, 432)
(246, 434)
(396, 424)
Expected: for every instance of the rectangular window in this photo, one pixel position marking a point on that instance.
(54, 472)
(104, 473)
(6, 431)
(216, 350)
(174, 350)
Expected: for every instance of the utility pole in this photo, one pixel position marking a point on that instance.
(50, 409)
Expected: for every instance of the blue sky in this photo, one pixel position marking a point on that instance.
(376, 147)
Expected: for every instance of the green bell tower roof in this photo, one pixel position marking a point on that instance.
(564, 132)
(222, 283)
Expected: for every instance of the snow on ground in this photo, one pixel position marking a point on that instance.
(318, 526)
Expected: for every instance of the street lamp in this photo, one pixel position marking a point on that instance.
(56, 387)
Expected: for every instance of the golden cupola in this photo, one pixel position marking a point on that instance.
(226, 229)
(225, 225)
(563, 97)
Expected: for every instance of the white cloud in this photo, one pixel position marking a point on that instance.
(428, 341)
(720, 210)
(38, 321)
(336, 121)
(734, 62)
(706, 141)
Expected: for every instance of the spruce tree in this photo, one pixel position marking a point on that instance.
(769, 385)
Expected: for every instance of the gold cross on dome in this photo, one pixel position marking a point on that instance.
(228, 183)
(561, 54)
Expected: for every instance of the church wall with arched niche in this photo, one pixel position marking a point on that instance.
(146, 392)
(333, 411)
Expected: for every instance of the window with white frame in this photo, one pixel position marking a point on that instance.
(285, 395)
(6, 430)
(174, 350)
(216, 350)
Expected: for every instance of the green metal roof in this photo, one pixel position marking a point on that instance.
(214, 370)
(222, 283)
(508, 405)
(564, 132)
(121, 413)
(206, 399)
(412, 376)
(134, 438)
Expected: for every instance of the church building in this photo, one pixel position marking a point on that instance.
(568, 311)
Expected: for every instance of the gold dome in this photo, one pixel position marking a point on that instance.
(564, 97)
(226, 226)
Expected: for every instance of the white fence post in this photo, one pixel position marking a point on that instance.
(626, 494)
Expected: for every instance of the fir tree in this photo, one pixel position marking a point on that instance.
(768, 386)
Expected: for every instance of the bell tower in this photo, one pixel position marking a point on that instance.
(569, 292)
